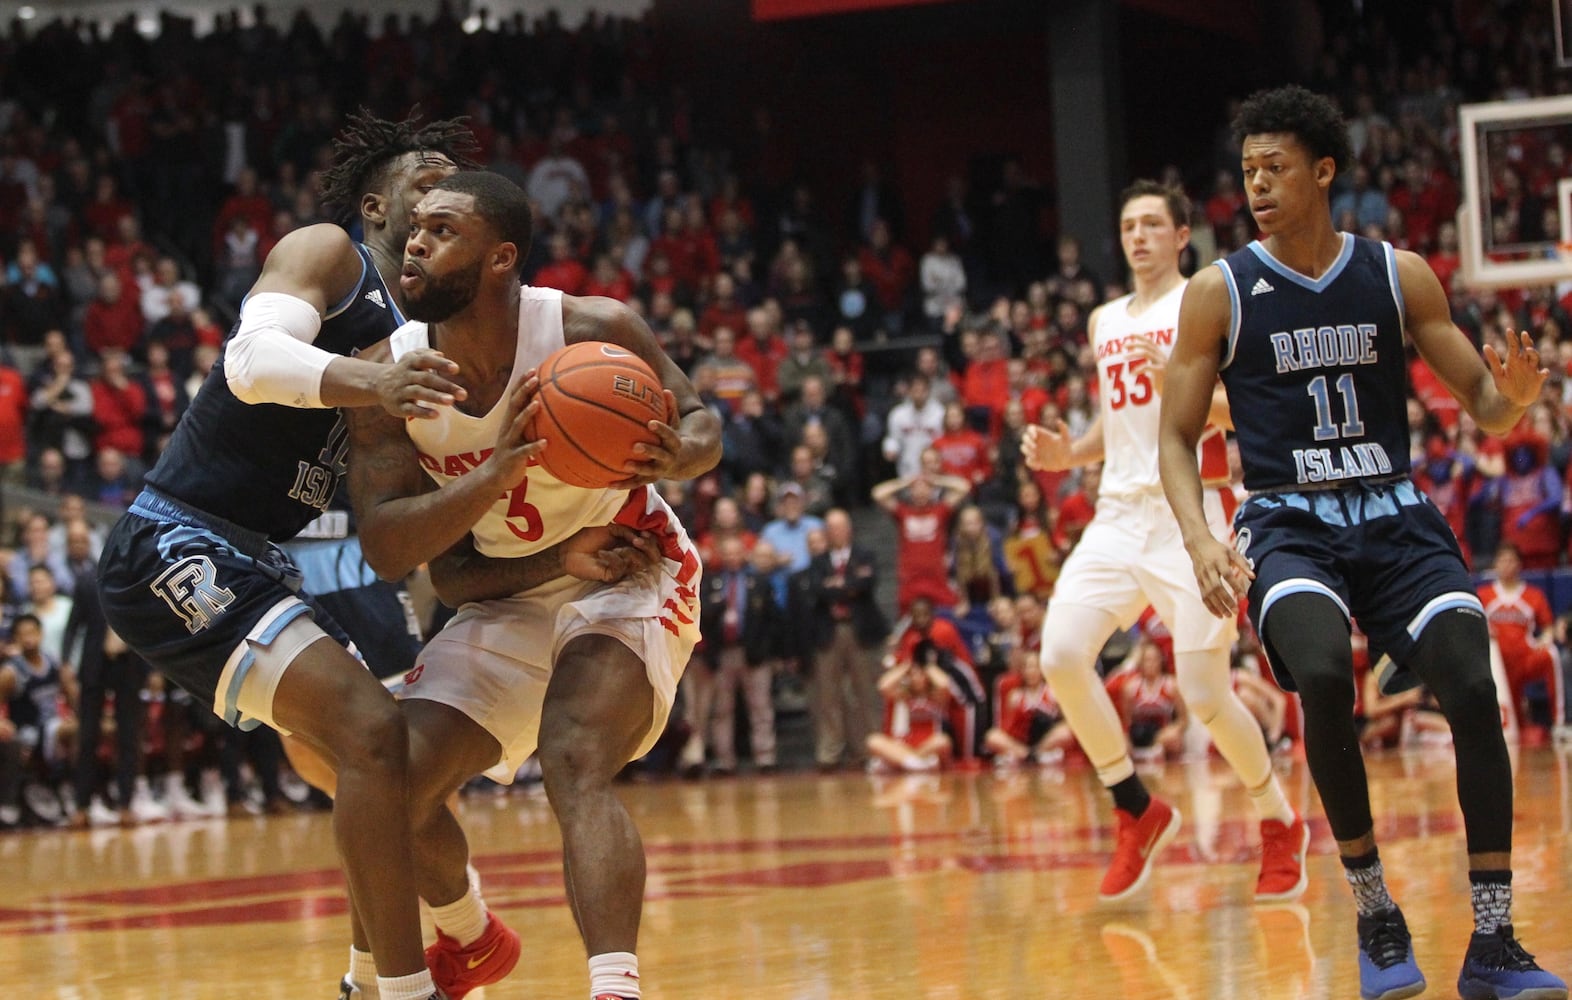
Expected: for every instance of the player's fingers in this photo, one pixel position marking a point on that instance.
(1493, 360)
(672, 416)
(430, 360)
(1240, 564)
(669, 438)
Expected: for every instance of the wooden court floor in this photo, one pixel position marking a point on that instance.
(804, 887)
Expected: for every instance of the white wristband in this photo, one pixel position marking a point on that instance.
(271, 358)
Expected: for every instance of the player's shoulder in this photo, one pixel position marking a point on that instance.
(598, 317)
(322, 241)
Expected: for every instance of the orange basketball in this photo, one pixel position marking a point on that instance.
(597, 400)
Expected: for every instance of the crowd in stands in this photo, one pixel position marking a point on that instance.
(143, 181)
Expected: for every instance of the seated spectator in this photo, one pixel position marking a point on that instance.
(810, 469)
(13, 424)
(113, 319)
(1528, 500)
(788, 532)
(1150, 705)
(912, 426)
(846, 369)
(239, 260)
(1028, 544)
(607, 278)
(725, 522)
(978, 572)
(922, 507)
(1401, 719)
(40, 694)
(916, 702)
(954, 657)
(963, 451)
(36, 547)
(752, 439)
(164, 288)
(1030, 725)
(1518, 614)
(30, 297)
(114, 483)
(165, 390)
(731, 376)
(803, 361)
(119, 409)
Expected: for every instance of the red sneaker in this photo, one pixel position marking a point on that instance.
(457, 969)
(1283, 849)
(1140, 842)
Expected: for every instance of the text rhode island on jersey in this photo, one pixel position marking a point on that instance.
(1324, 465)
(1324, 347)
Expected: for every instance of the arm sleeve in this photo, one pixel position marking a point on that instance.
(271, 358)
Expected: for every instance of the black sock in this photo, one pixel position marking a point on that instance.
(1131, 796)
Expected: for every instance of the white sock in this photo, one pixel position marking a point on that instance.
(414, 987)
(464, 918)
(363, 972)
(615, 973)
(1271, 803)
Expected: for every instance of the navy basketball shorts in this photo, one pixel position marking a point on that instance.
(377, 615)
(1381, 552)
(193, 595)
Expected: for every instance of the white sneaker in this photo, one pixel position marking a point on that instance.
(1561, 736)
(99, 814)
(927, 762)
(213, 798)
(144, 807)
(1050, 757)
(179, 802)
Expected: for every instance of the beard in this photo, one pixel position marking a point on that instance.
(440, 298)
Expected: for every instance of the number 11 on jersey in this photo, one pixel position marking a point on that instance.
(1325, 429)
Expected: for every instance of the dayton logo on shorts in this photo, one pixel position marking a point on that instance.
(1242, 544)
(190, 588)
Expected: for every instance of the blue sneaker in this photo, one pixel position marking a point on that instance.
(1387, 970)
(1497, 968)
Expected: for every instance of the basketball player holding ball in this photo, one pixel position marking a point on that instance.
(535, 659)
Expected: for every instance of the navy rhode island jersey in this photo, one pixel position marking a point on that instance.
(272, 469)
(1320, 365)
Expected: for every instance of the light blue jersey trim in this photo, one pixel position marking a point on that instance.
(247, 659)
(1445, 602)
(1235, 313)
(354, 293)
(1397, 286)
(1299, 585)
(1304, 281)
(1344, 508)
(330, 567)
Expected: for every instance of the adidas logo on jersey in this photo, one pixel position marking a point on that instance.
(375, 297)
(1260, 287)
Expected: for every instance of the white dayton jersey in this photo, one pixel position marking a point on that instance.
(541, 510)
(493, 661)
(1129, 400)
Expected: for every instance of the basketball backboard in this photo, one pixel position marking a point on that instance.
(1514, 212)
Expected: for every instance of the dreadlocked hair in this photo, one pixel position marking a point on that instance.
(367, 144)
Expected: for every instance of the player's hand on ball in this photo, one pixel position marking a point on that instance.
(1046, 448)
(1222, 574)
(1518, 376)
(418, 383)
(609, 553)
(653, 462)
(515, 447)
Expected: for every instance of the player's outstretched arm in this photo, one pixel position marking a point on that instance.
(1204, 318)
(607, 554)
(688, 448)
(402, 517)
(1494, 390)
(273, 358)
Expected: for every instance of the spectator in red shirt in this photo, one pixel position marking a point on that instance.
(962, 451)
(13, 424)
(922, 520)
(846, 368)
(723, 309)
(890, 269)
(563, 271)
(246, 202)
(763, 348)
(985, 387)
(104, 212)
(119, 408)
(1031, 724)
(113, 319)
(609, 279)
(1076, 512)
(1519, 617)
